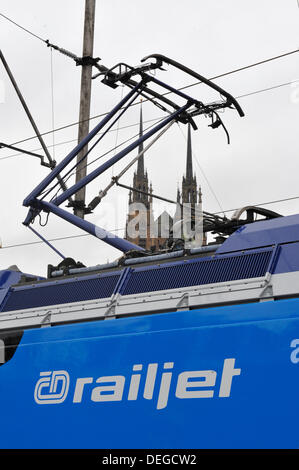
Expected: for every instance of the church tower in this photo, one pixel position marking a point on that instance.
(140, 204)
(190, 194)
(140, 219)
(140, 180)
(189, 184)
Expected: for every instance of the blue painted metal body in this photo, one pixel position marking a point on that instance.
(92, 229)
(8, 277)
(260, 412)
(280, 230)
(217, 377)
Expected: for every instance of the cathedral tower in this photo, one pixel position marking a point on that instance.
(140, 204)
(189, 184)
(140, 219)
(190, 194)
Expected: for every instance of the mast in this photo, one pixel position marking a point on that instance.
(85, 97)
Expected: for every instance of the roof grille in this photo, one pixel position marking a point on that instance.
(198, 272)
(61, 293)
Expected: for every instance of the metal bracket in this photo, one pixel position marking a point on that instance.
(51, 164)
(267, 293)
(46, 321)
(87, 60)
(110, 312)
(183, 303)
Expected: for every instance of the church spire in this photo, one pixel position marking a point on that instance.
(140, 166)
(189, 169)
(189, 185)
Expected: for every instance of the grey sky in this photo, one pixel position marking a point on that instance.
(212, 37)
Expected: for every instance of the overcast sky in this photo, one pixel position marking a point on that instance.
(261, 164)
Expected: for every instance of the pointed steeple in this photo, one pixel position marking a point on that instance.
(140, 178)
(189, 184)
(140, 166)
(189, 169)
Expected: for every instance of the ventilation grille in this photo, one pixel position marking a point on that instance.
(198, 272)
(173, 275)
(56, 294)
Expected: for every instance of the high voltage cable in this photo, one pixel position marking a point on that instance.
(240, 69)
(55, 239)
(75, 140)
(46, 41)
(22, 27)
(136, 124)
(267, 89)
(181, 88)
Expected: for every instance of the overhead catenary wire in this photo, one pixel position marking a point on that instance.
(240, 96)
(201, 169)
(22, 27)
(184, 87)
(75, 140)
(181, 88)
(263, 90)
(135, 104)
(73, 56)
(55, 239)
(240, 69)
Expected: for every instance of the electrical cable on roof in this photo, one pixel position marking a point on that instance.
(120, 229)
